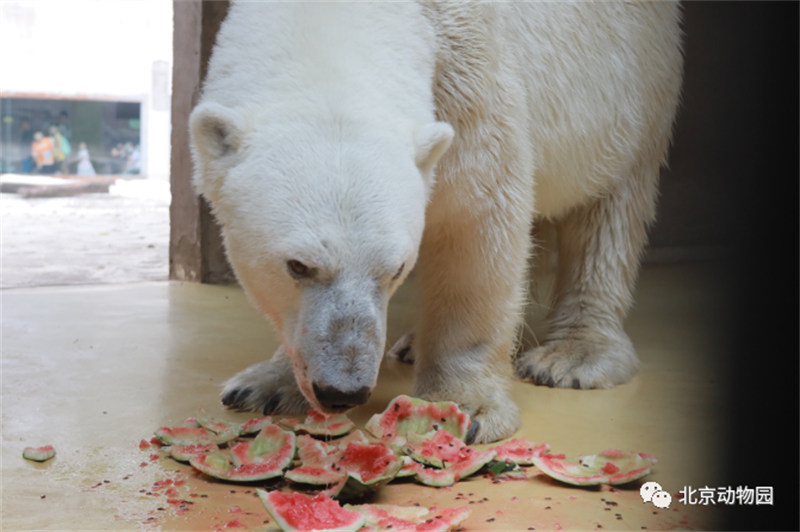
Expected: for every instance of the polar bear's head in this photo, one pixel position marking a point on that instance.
(322, 220)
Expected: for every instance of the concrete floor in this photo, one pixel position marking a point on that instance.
(93, 370)
(119, 237)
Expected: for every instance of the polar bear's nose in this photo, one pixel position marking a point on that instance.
(335, 400)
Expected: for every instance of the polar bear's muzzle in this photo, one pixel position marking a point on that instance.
(341, 336)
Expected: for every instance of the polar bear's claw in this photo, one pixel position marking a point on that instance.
(235, 399)
(268, 387)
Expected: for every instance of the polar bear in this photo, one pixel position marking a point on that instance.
(342, 145)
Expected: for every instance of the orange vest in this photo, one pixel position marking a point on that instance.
(43, 151)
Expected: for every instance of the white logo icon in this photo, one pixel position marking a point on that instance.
(661, 499)
(652, 492)
(648, 489)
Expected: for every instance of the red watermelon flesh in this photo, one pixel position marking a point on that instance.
(608, 467)
(438, 449)
(254, 426)
(519, 451)
(369, 461)
(299, 512)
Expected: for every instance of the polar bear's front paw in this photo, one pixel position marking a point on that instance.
(265, 388)
(579, 362)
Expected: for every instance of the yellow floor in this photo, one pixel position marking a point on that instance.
(94, 370)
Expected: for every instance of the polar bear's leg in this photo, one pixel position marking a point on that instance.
(268, 387)
(600, 245)
(472, 273)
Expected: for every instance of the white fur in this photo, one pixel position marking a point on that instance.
(317, 140)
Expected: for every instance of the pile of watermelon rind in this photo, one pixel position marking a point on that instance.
(331, 458)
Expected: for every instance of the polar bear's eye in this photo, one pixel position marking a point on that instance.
(399, 272)
(297, 269)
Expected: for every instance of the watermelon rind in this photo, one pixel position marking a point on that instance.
(393, 517)
(191, 436)
(519, 451)
(286, 509)
(608, 467)
(451, 459)
(254, 425)
(39, 454)
(265, 457)
(406, 415)
(316, 463)
(224, 431)
(319, 424)
(184, 453)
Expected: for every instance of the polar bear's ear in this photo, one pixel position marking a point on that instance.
(216, 131)
(431, 141)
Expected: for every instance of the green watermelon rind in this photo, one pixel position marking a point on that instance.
(39, 454)
(425, 417)
(572, 471)
(184, 453)
(225, 432)
(191, 436)
(519, 451)
(318, 424)
(269, 440)
(266, 497)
